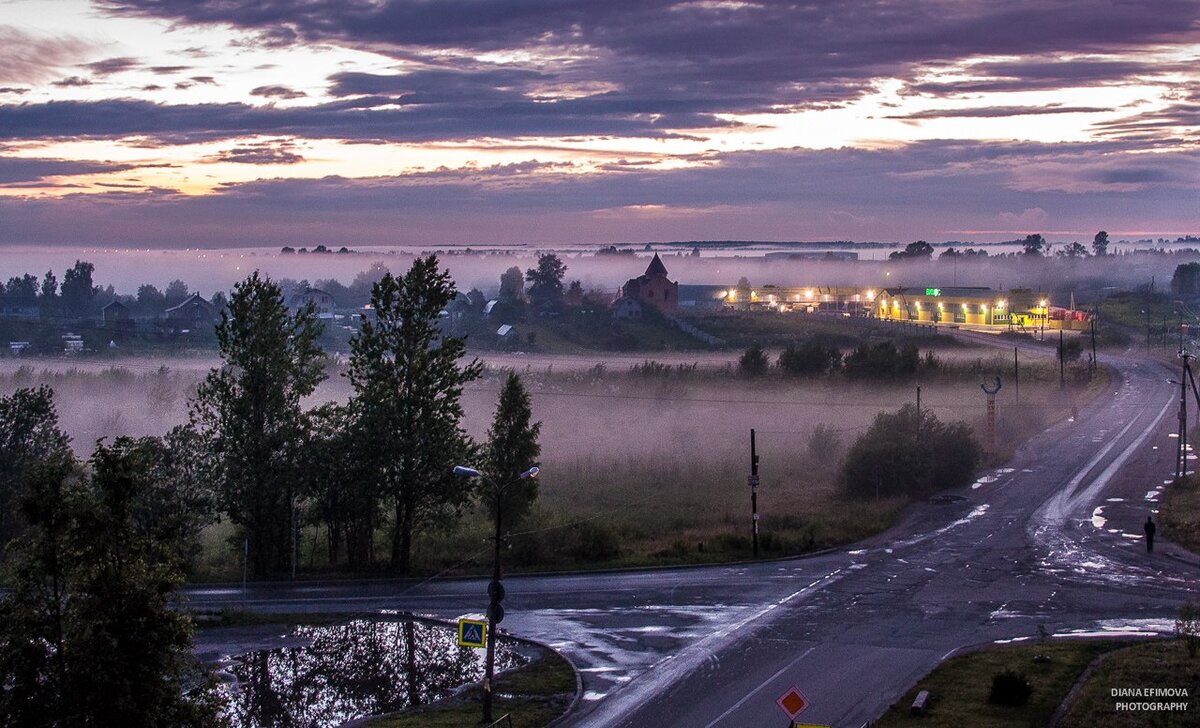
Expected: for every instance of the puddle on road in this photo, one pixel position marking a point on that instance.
(352, 670)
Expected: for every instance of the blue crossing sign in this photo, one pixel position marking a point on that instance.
(472, 633)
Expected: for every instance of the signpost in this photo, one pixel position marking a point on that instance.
(472, 633)
(792, 703)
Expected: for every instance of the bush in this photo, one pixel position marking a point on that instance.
(1187, 626)
(906, 453)
(1009, 688)
(754, 361)
(810, 359)
(1071, 351)
(824, 444)
(882, 361)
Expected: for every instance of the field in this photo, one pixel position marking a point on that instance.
(643, 462)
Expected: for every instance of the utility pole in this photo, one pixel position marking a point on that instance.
(1062, 361)
(918, 414)
(753, 480)
(1181, 444)
(1147, 312)
(1017, 375)
(1095, 361)
(495, 613)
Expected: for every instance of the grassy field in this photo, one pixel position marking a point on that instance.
(531, 696)
(1179, 513)
(959, 687)
(1158, 664)
(740, 329)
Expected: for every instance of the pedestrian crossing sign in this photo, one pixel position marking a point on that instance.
(472, 633)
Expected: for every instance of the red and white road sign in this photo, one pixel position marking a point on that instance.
(792, 702)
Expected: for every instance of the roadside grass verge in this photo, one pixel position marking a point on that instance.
(1158, 664)
(1179, 513)
(959, 687)
(532, 695)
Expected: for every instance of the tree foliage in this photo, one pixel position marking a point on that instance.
(512, 448)
(810, 358)
(512, 285)
(546, 281)
(249, 413)
(754, 361)
(913, 251)
(882, 360)
(1035, 245)
(29, 436)
(910, 453)
(1186, 279)
(77, 291)
(1100, 243)
(407, 385)
(87, 632)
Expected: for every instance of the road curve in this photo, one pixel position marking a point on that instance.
(715, 646)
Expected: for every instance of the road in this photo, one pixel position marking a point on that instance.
(715, 646)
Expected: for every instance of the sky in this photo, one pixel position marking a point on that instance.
(234, 123)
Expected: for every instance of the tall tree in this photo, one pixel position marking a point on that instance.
(1035, 245)
(177, 292)
(913, 251)
(407, 385)
(512, 448)
(26, 286)
(249, 413)
(341, 487)
(29, 434)
(1100, 243)
(88, 635)
(512, 285)
(49, 290)
(546, 281)
(77, 290)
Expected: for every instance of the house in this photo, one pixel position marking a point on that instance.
(115, 313)
(653, 287)
(321, 301)
(627, 309)
(194, 312)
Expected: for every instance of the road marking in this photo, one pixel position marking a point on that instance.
(754, 692)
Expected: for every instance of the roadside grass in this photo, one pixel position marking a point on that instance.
(532, 696)
(1157, 664)
(743, 328)
(1179, 513)
(959, 687)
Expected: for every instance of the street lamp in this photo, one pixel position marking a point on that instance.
(495, 612)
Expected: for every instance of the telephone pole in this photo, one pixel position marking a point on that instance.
(753, 480)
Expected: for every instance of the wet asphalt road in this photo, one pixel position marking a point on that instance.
(715, 646)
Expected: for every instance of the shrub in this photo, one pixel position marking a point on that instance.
(1187, 626)
(882, 361)
(824, 444)
(1009, 688)
(810, 359)
(906, 453)
(754, 361)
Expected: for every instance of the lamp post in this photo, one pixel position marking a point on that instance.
(495, 611)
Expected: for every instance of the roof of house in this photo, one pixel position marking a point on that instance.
(194, 298)
(113, 304)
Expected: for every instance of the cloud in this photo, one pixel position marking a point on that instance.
(19, 170)
(261, 153)
(909, 193)
(1030, 217)
(110, 66)
(27, 58)
(998, 111)
(71, 81)
(277, 92)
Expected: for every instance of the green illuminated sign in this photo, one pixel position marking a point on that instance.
(933, 291)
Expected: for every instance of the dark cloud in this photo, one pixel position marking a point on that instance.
(1048, 74)
(263, 153)
(109, 66)
(277, 92)
(166, 70)
(16, 170)
(998, 111)
(207, 80)
(13, 90)
(71, 81)
(906, 193)
(355, 118)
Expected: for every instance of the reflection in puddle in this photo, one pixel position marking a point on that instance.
(1098, 519)
(353, 670)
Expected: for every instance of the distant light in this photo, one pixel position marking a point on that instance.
(1042, 303)
(983, 307)
(999, 304)
(808, 293)
(870, 295)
